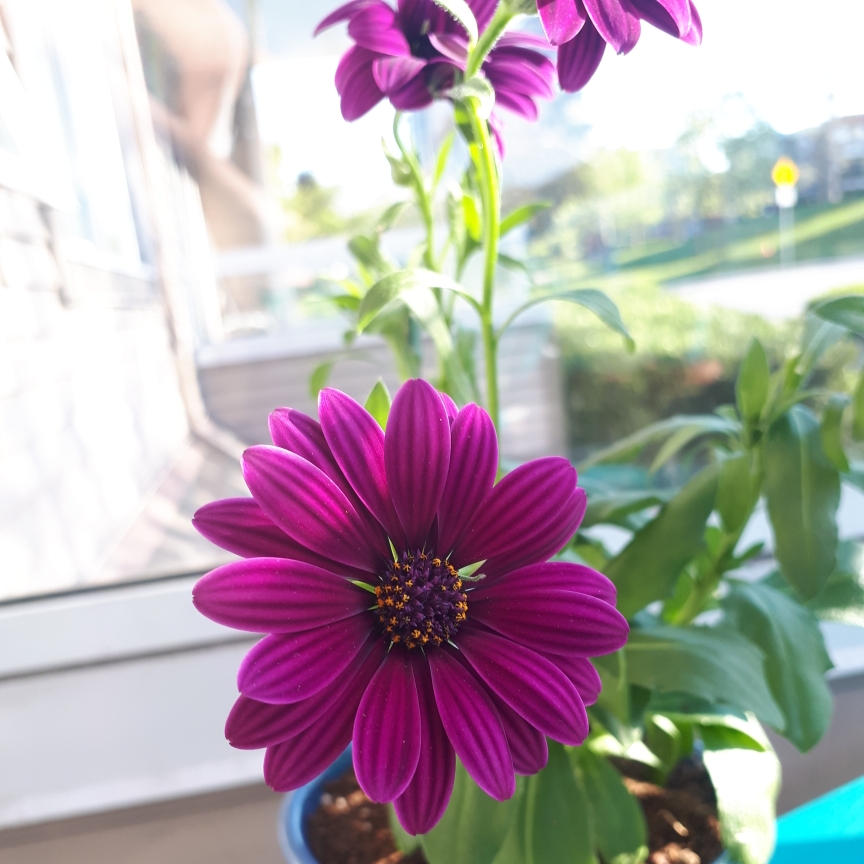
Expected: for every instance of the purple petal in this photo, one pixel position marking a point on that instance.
(551, 576)
(292, 430)
(557, 622)
(310, 508)
(450, 407)
(519, 39)
(517, 78)
(417, 456)
(496, 127)
(282, 669)
(519, 511)
(531, 685)
(387, 730)
(355, 83)
(561, 19)
(615, 24)
(557, 536)
(516, 103)
(393, 73)
(671, 16)
(413, 96)
(473, 463)
(473, 725)
(582, 673)
(302, 758)
(295, 431)
(694, 35)
(524, 77)
(242, 527)
(453, 46)
(344, 13)
(376, 28)
(422, 804)
(252, 724)
(527, 743)
(357, 443)
(580, 58)
(274, 595)
(421, 17)
(483, 11)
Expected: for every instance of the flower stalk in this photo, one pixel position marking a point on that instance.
(488, 177)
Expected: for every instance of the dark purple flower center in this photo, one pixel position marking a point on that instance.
(420, 601)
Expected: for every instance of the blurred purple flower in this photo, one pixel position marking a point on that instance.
(583, 28)
(406, 658)
(412, 55)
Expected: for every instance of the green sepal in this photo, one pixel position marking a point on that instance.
(378, 403)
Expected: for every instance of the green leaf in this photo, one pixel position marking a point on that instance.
(613, 508)
(348, 302)
(746, 783)
(674, 445)
(425, 308)
(367, 251)
(461, 11)
(831, 432)
(751, 388)
(716, 664)
(664, 740)
(319, 377)
(858, 410)
(819, 336)
(405, 842)
(735, 491)
(378, 403)
(615, 695)
(590, 298)
(628, 448)
(721, 731)
(842, 598)
(846, 312)
(477, 88)
(471, 215)
(795, 657)
(514, 264)
(401, 333)
(473, 828)
(521, 215)
(648, 567)
(557, 821)
(802, 489)
(441, 161)
(620, 831)
(400, 170)
(388, 218)
(395, 285)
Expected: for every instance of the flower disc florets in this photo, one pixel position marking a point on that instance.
(420, 601)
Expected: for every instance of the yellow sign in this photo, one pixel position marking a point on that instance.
(785, 172)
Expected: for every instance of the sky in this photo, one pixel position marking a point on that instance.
(796, 62)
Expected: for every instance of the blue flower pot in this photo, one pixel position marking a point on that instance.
(298, 806)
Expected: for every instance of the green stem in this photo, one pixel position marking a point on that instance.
(496, 27)
(490, 193)
(423, 200)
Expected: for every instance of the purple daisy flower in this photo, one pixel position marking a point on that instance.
(413, 54)
(353, 544)
(583, 28)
